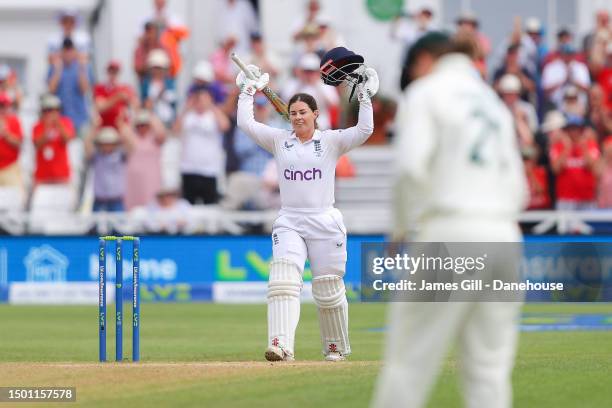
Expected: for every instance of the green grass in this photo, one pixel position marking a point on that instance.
(182, 345)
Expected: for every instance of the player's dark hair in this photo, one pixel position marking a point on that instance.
(307, 99)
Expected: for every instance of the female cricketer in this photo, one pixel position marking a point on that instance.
(308, 225)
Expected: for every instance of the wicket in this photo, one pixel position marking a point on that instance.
(119, 297)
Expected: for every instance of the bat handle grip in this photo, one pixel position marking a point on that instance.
(242, 66)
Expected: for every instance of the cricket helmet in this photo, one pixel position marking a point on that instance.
(340, 64)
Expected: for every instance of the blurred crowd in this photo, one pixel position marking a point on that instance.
(559, 94)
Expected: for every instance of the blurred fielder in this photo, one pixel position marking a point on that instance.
(308, 225)
(459, 177)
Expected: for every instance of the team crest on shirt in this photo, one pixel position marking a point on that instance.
(317, 148)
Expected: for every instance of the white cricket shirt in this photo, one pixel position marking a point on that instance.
(306, 171)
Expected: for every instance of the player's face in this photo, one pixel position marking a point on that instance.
(302, 117)
(422, 66)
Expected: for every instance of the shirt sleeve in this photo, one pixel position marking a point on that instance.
(347, 139)
(261, 134)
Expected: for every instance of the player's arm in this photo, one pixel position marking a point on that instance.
(261, 134)
(414, 146)
(350, 138)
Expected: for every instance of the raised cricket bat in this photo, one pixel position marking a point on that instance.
(277, 102)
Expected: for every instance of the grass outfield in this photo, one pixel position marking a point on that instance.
(210, 355)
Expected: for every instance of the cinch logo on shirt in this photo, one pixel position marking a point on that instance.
(295, 175)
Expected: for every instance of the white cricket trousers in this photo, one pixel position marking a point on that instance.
(420, 334)
(319, 236)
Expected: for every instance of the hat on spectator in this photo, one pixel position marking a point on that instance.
(574, 121)
(169, 188)
(510, 83)
(114, 64)
(4, 99)
(533, 25)
(107, 135)
(467, 17)
(158, 58)
(310, 62)
(310, 30)
(68, 13)
(203, 71)
(570, 91)
(554, 120)
(5, 72)
(142, 117)
(50, 101)
(324, 20)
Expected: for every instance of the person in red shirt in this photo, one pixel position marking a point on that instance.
(10, 143)
(112, 98)
(51, 135)
(575, 159)
(537, 178)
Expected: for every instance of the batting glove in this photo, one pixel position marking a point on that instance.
(370, 86)
(250, 86)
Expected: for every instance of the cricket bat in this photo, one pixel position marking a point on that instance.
(277, 102)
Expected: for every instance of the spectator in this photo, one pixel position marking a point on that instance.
(68, 20)
(238, 18)
(158, 88)
(309, 81)
(171, 32)
(244, 187)
(111, 98)
(562, 72)
(168, 213)
(204, 75)
(551, 131)
(149, 41)
(565, 40)
(262, 57)
(201, 125)
(330, 38)
(308, 42)
(512, 66)
(11, 137)
(598, 116)
(51, 135)
(595, 42)
(107, 150)
(9, 86)
(537, 180)
(572, 105)
(70, 78)
(409, 30)
(525, 119)
(533, 47)
(603, 75)
(468, 24)
(222, 62)
(604, 197)
(313, 7)
(574, 159)
(144, 171)
(345, 167)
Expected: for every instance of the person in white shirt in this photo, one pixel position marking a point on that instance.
(459, 178)
(238, 18)
(201, 126)
(308, 225)
(563, 72)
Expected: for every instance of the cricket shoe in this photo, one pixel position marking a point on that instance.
(278, 354)
(334, 356)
